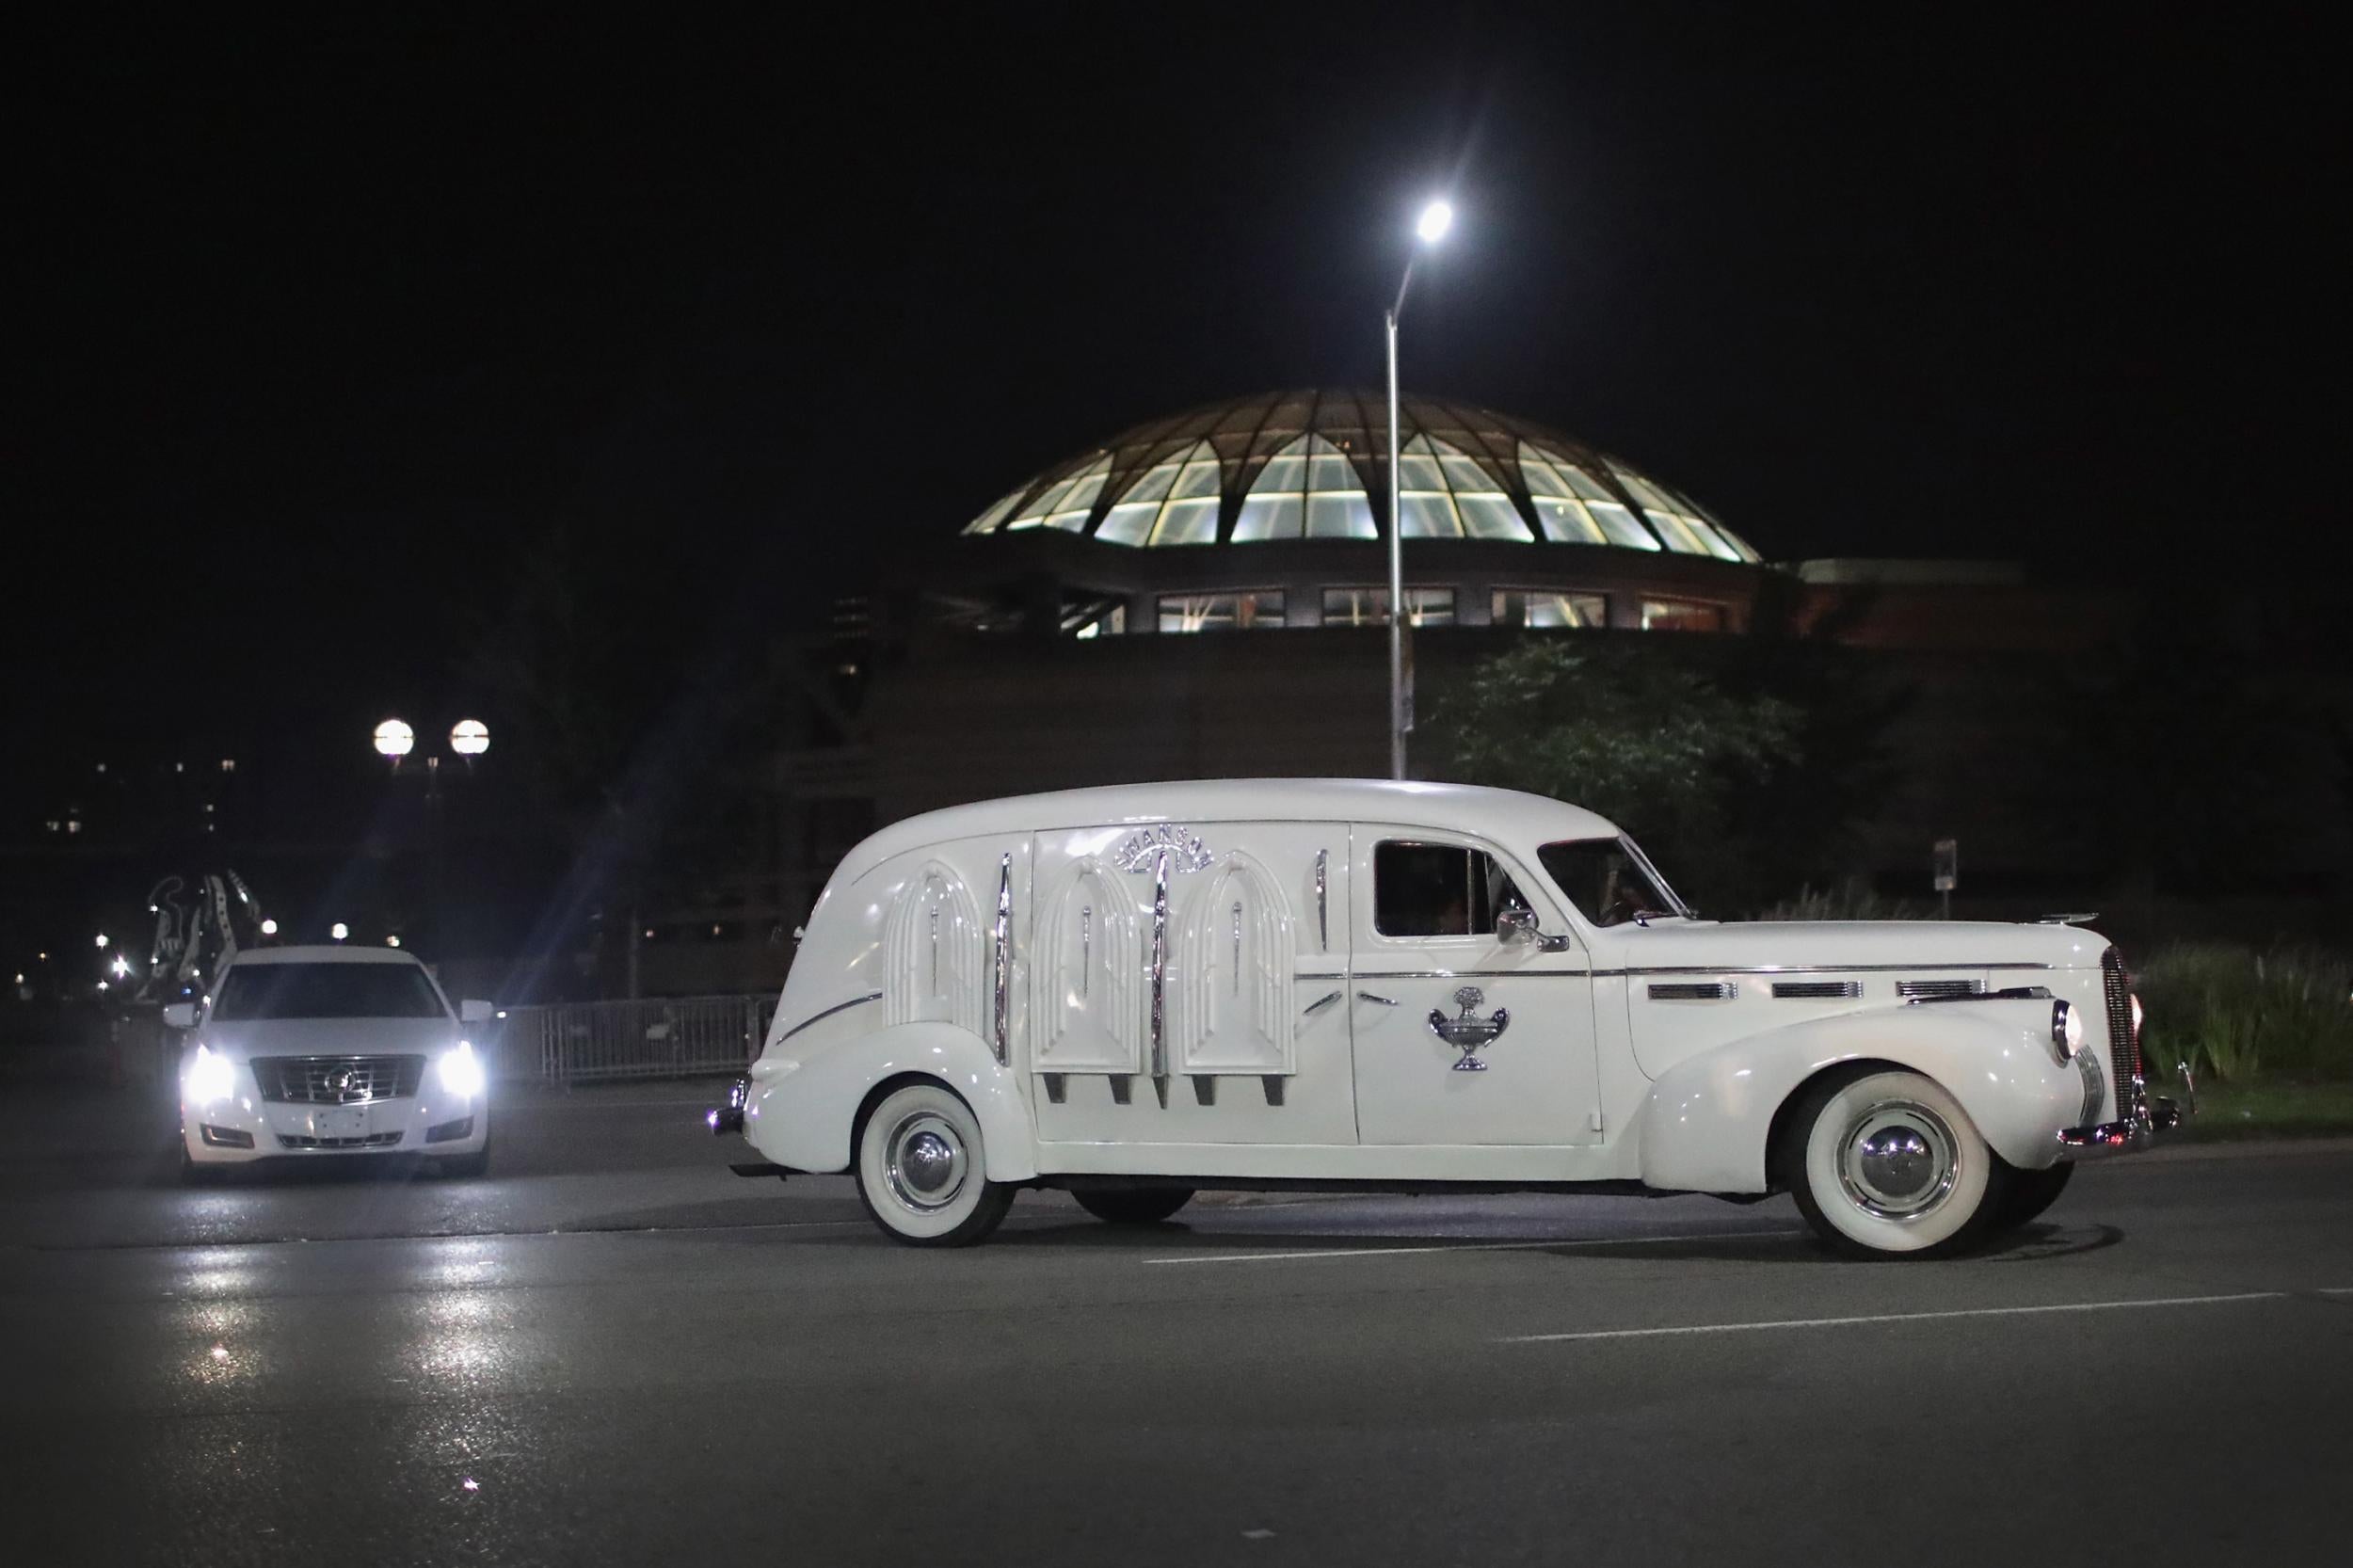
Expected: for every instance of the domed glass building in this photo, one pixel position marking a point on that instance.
(1268, 511)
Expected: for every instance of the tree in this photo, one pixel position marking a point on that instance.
(1650, 740)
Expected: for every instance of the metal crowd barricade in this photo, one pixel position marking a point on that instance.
(654, 1037)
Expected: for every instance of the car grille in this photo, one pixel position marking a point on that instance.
(1925, 990)
(2124, 1050)
(337, 1079)
(368, 1140)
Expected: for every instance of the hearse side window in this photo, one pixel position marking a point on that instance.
(1438, 891)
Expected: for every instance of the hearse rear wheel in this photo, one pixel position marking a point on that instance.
(1133, 1206)
(922, 1170)
(1885, 1164)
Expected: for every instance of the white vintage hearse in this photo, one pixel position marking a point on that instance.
(1139, 991)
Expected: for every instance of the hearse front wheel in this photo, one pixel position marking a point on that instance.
(1886, 1164)
(1133, 1206)
(923, 1172)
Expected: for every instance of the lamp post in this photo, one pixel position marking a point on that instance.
(468, 740)
(1436, 218)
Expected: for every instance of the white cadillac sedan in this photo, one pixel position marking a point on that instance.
(329, 1053)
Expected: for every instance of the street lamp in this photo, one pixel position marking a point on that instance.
(469, 738)
(1435, 219)
(396, 740)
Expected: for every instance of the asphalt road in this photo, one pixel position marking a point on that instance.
(613, 1349)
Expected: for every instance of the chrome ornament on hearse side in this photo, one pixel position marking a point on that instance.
(1466, 1033)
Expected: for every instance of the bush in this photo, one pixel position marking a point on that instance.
(2232, 1013)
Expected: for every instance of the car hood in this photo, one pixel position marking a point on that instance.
(1854, 945)
(332, 1037)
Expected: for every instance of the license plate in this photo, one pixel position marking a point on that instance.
(342, 1122)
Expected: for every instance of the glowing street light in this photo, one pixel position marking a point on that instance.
(339, 931)
(1436, 218)
(392, 941)
(269, 928)
(470, 737)
(394, 739)
(102, 939)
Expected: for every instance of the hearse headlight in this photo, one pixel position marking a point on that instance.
(2067, 1032)
(211, 1077)
(461, 1071)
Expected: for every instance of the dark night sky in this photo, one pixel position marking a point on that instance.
(326, 328)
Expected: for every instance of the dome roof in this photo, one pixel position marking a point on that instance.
(1293, 465)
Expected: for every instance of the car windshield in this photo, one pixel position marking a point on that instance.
(1609, 880)
(254, 992)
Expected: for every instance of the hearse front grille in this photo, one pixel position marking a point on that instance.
(1923, 988)
(2124, 1050)
(337, 1079)
(367, 1141)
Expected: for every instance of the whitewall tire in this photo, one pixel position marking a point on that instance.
(1884, 1163)
(923, 1170)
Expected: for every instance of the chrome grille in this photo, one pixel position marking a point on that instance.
(2124, 1050)
(367, 1141)
(337, 1079)
(1706, 990)
(1815, 990)
(1940, 987)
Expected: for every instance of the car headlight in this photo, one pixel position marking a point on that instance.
(2067, 1032)
(210, 1077)
(2136, 1001)
(461, 1071)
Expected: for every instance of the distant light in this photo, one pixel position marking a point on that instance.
(394, 739)
(102, 939)
(470, 737)
(20, 977)
(122, 966)
(392, 941)
(1436, 218)
(229, 764)
(269, 928)
(102, 985)
(339, 931)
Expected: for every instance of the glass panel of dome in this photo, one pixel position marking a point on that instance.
(1490, 516)
(986, 523)
(1421, 474)
(1428, 516)
(1070, 513)
(1341, 515)
(1191, 521)
(1543, 609)
(1283, 471)
(1619, 525)
(1329, 472)
(1676, 533)
(1127, 523)
(1642, 490)
(1463, 475)
(1268, 517)
(1748, 551)
(1566, 521)
(1717, 544)
(1558, 476)
(1155, 484)
(1201, 473)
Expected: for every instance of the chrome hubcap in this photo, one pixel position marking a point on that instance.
(1898, 1160)
(924, 1163)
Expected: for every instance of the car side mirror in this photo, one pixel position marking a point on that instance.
(1518, 927)
(474, 1012)
(180, 1015)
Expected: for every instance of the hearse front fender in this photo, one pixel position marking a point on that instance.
(1708, 1124)
(800, 1112)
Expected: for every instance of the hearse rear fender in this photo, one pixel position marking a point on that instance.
(1707, 1123)
(800, 1115)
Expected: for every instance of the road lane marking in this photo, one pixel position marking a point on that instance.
(1890, 1318)
(1465, 1246)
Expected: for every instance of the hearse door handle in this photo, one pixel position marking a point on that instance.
(1367, 996)
(1321, 1003)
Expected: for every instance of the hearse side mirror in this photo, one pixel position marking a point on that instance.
(180, 1015)
(473, 1012)
(1515, 927)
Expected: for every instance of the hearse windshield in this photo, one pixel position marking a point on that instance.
(256, 992)
(1610, 880)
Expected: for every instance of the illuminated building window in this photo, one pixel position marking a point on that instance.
(1370, 606)
(1110, 624)
(1175, 502)
(1681, 614)
(1543, 608)
(1253, 610)
(1307, 489)
(1445, 495)
(1067, 503)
